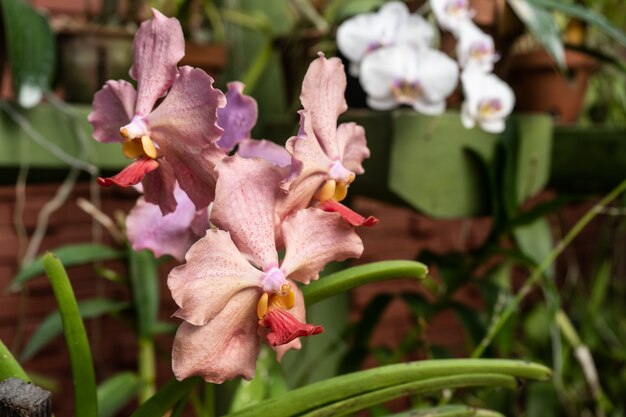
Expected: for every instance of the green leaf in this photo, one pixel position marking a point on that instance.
(359, 275)
(322, 393)
(167, 397)
(252, 392)
(448, 411)
(51, 326)
(31, 50)
(9, 366)
(430, 385)
(83, 377)
(115, 392)
(535, 241)
(586, 15)
(543, 27)
(144, 279)
(69, 255)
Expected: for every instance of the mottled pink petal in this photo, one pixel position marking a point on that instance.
(352, 146)
(159, 45)
(172, 234)
(224, 348)
(113, 107)
(313, 238)
(237, 118)
(265, 149)
(322, 97)
(130, 175)
(244, 205)
(158, 187)
(350, 216)
(187, 116)
(215, 271)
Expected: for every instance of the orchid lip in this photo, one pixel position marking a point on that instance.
(275, 281)
(406, 92)
(135, 129)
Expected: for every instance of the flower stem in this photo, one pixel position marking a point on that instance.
(499, 320)
(147, 368)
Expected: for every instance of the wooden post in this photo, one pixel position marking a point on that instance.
(23, 399)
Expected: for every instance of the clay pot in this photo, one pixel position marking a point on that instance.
(539, 87)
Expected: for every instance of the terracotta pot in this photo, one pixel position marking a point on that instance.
(89, 56)
(211, 57)
(539, 87)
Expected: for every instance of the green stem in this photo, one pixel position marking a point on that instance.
(9, 366)
(147, 368)
(338, 388)
(208, 408)
(350, 405)
(537, 273)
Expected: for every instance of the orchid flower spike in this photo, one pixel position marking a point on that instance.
(451, 14)
(233, 291)
(171, 234)
(401, 75)
(173, 142)
(237, 119)
(475, 49)
(488, 101)
(325, 158)
(392, 24)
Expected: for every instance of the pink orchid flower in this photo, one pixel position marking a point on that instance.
(326, 158)
(233, 291)
(237, 119)
(171, 234)
(174, 141)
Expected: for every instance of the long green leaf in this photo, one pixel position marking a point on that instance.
(166, 398)
(586, 15)
(51, 326)
(448, 411)
(9, 367)
(31, 50)
(543, 27)
(116, 392)
(69, 255)
(144, 279)
(83, 377)
(359, 275)
(350, 405)
(338, 388)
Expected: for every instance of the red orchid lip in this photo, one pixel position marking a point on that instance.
(132, 174)
(284, 327)
(352, 217)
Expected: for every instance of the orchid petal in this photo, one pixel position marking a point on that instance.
(113, 107)
(299, 313)
(215, 271)
(265, 149)
(237, 118)
(132, 174)
(158, 187)
(245, 196)
(224, 348)
(286, 328)
(492, 126)
(353, 218)
(172, 234)
(313, 238)
(159, 45)
(323, 99)
(430, 109)
(385, 103)
(352, 146)
(475, 49)
(480, 90)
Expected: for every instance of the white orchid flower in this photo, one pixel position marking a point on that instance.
(421, 78)
(488, 101)
(475, 49)
(392, 24)
(451, 14)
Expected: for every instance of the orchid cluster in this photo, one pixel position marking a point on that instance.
(392, 52)
(230, 204)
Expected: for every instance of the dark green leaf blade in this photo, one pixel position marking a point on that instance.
(144, 279)
(51, 326)
(167, 397)
(69, 255)
(31, 50)
(83, 375)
